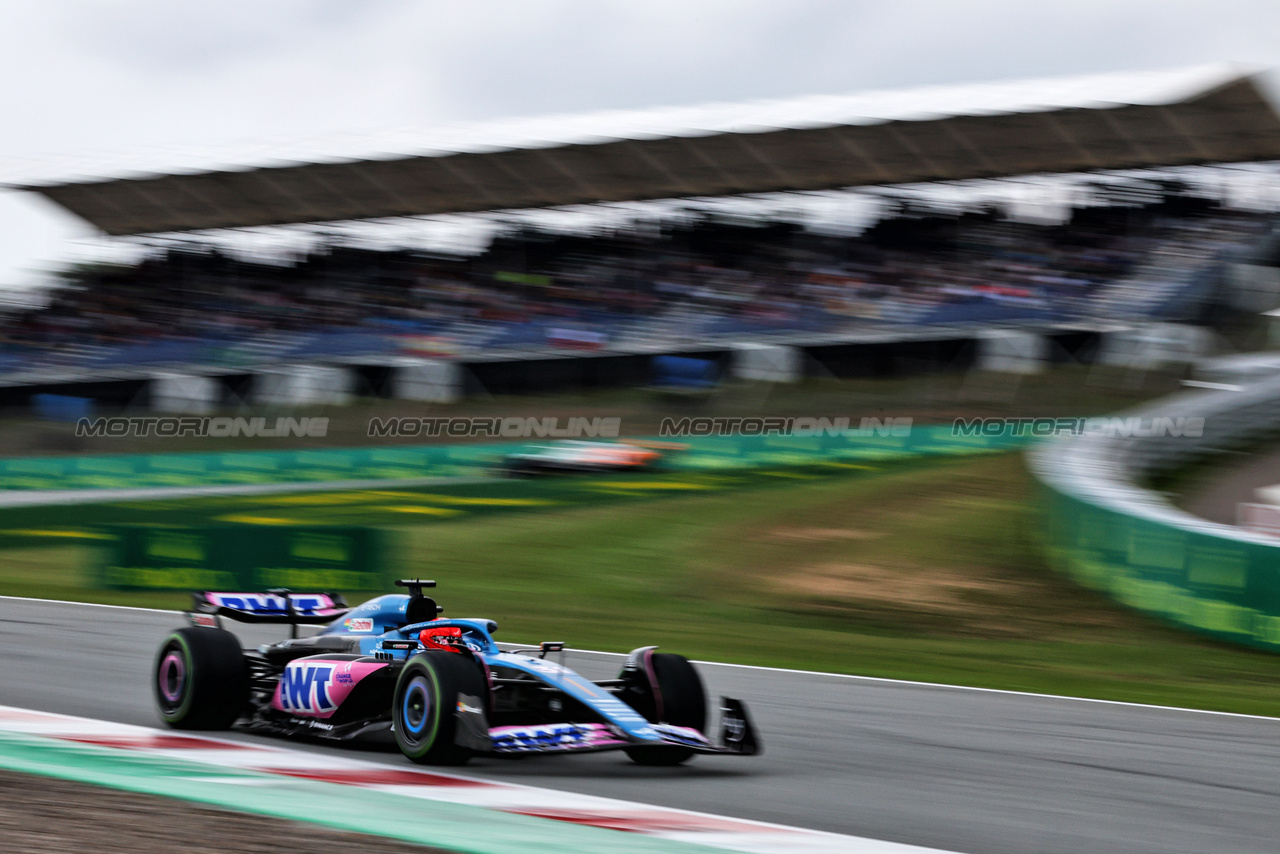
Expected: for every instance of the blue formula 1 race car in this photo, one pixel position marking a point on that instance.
(441, 687)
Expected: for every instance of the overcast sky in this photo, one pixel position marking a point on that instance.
(92, 78)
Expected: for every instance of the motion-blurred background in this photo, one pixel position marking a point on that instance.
(893, 219)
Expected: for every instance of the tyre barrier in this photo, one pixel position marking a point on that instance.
(1109, 533)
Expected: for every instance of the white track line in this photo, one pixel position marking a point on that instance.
(792, 671)
(733, 834)
(89, 604)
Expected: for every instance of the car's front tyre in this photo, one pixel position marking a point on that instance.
(201, 679)
(424, 705)
(678, 698)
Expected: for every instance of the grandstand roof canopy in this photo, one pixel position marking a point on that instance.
(1212, 114)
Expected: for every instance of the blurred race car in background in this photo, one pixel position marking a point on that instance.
(441, 687)
(577, 456)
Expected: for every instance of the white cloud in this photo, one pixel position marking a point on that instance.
(93, 78)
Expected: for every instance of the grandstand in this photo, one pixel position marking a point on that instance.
(537, 309)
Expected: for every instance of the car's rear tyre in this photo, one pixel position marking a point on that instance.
(424, 704)
(683, 702)
(201, 679)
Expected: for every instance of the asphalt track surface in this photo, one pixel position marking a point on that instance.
(956, 769)
(1216, 494)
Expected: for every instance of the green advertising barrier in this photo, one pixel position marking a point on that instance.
(135, 471)
(330, 465)
(1225, 588)
(242, 557)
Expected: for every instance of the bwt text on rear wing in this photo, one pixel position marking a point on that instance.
(281, 607)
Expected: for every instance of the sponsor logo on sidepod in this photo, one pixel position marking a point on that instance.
(305, 688)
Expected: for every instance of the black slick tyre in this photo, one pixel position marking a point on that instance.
(680, 700)
(201, 679)
(424, 703)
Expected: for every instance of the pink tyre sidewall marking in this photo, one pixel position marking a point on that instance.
(173, 670)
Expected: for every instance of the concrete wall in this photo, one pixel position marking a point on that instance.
(1012, 351)
(304, 384)
(185, 394)
(773, 363)
(1155, 345)
(429, 380)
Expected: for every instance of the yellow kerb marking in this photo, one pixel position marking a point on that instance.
(246, 519)
(651, 484)
(492, 502)
(36, 532)
(430, 511)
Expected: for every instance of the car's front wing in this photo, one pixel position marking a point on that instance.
(737, 735)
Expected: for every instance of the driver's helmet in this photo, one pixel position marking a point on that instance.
(448, 638)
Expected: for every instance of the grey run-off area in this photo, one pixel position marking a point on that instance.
(956, 769)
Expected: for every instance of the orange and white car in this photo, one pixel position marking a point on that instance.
(576, 456)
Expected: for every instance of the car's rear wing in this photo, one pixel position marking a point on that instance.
(281, 607)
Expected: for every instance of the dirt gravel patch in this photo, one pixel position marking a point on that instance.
(815, 535)
(968, 601)
(44, 815)
(932, 589)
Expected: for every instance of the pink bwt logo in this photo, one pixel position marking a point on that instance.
(315, 688)
(304, 688)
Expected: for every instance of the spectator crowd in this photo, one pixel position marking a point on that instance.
(705, 276)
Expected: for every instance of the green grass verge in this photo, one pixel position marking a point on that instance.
(928, 572)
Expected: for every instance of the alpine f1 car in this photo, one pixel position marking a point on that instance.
(441, 687)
